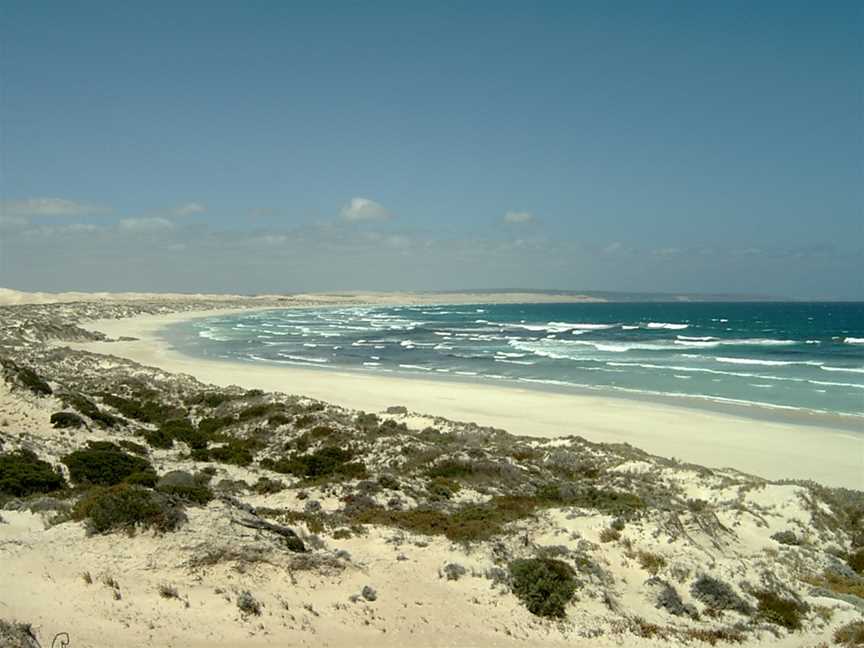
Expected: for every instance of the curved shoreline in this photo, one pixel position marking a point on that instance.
(777, 448)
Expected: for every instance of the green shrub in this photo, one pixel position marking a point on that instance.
(213, 425)
(26, 377)
(718, 595)
(62, 420)
(259, 411)
(471, 523)
(22, 473)
(128, 507)
(88, 408)
(210, 399)
(134, 448)
(544, 585)
(279, 419)
(779, 611)
(104, 466)
(159, 439)
(197, 493)
(441, 488)
(324, 462)
(267, 486)
(146, 411)
(856, 560)
(852, 634)
(237, 452)
(183, 430)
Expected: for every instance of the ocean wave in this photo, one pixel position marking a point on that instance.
(666, 325)
(410, 366)
(302, 358)
(691, 338)
(853, 340)
(859, 370)
(518, 362)
(767, 363)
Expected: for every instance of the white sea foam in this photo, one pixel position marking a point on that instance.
(666, 325)
(628, 327)
(767, 363)
(410, 366)
(853, 340)
(859, 370)
(691, 338)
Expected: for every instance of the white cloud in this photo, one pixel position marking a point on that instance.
(51, 207)
(190, 208)
(364, 210)
(145, 224)
(517, 217)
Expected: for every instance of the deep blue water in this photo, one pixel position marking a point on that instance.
(806, 356)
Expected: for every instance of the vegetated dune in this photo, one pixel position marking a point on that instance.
(157, 510)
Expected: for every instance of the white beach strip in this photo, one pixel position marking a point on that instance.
(771, 449)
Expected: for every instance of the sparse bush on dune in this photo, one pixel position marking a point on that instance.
(856, 560)
(851, 634)
(544, 585)
(22, 473)
(25, 377)
(718, 595)
(181, 484)
(104, 464)
(325, 462)
(89, 409)
(159, 439)
(247, 604)
(145, 410)
(128, 507)
(65, 420)
(780, 611)
(17, 635)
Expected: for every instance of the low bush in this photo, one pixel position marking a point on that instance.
(146, 411)
(544, 585)
(260, 411)
(267, 486)
(651, 562)
(441, 488)
(471, 523)
(159, 439)
(210, 399)
(25, 377)
(89, 409)
(237, 452)
(22, 473)
(719, 595)
(852, 634)
(325, 462)
(183, 430)
(131, 446)
(186, 486)
(279, 419)
(779, 611)
(104, 465)
(247, 604)
(64, 420)
(610, 535)
(211, 426)
(128, 507)
(856, 560)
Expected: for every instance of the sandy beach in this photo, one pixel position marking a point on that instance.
(772, 449)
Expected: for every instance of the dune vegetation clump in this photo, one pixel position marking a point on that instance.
(544, 585)
(22, 473)
(104, 464)
(126, 507)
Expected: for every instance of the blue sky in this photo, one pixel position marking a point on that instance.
(637, 146)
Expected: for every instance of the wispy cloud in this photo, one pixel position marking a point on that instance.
(518, 217)
(189, 209)
(361, 210)
(51, 207)
(157, 224)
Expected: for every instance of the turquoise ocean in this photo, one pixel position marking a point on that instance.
(789, 356)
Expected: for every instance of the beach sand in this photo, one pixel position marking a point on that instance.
(774, 449)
